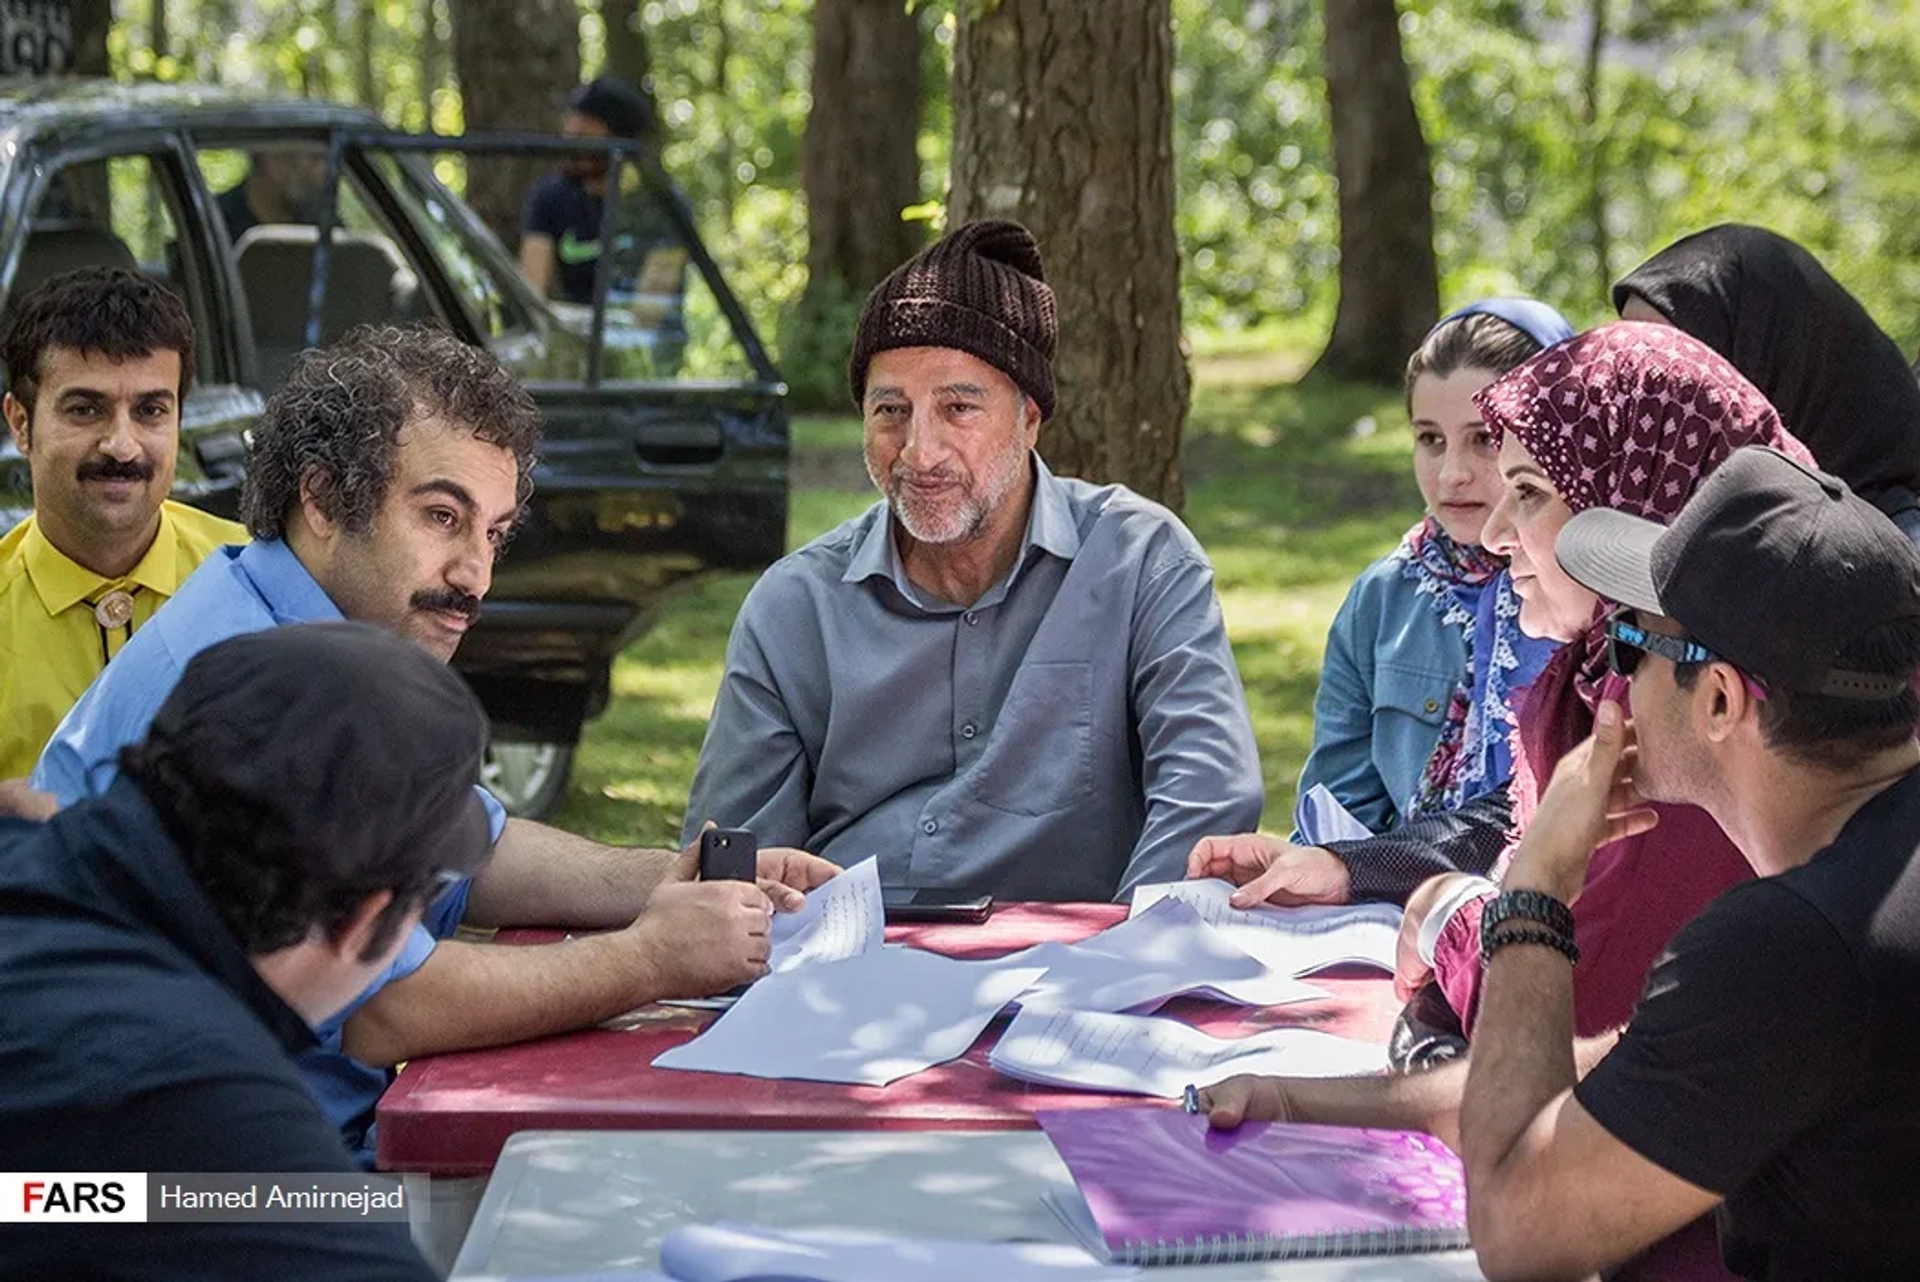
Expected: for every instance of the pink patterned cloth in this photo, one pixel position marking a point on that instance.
(1632, 417)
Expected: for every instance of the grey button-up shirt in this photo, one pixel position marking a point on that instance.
(1069, 736)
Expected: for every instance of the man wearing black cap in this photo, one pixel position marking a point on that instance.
(560, 227)
(996, 679)
(1772, 635)
(170, 945)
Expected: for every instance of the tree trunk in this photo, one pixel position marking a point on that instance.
(158, 38)
(1597, 147)
(433, 58)
(54, 37)
(1389, 284)
(516, 60)
(1063, 119)
(626, 43)
(366, 33)
(860, 166)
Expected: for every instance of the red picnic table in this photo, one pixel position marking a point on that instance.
(450, 1114)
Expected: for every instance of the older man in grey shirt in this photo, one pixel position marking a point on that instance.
(996, 680)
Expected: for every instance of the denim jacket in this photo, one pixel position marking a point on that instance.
(1391, 667)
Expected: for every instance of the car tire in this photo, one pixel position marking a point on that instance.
(528, 777)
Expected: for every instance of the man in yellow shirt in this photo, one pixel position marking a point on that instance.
(97, 362)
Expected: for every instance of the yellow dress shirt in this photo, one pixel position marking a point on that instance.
(52, 645)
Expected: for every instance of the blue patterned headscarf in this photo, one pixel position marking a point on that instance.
(1473, 592)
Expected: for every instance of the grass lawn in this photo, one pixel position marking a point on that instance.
(1292, 487)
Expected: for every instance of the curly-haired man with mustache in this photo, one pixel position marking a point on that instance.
(382, 482)
(97, 361)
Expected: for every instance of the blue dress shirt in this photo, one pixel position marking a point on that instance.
(235, 591)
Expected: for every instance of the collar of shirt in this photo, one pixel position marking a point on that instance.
(289, 591)
(1050, 527)
(62, 582)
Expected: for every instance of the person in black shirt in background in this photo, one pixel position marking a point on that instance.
(1772, 634)
(169, 946)
(560, 228)
(283, 185)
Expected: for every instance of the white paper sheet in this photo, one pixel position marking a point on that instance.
(841, 919)
(729, 1253)
(1298, 941)
(1146, 1055)
(867, 1020)
(1319, 818)
(1162, 952)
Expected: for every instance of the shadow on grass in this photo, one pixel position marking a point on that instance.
(1292, 487)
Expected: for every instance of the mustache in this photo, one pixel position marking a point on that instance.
(113, 469)
(452, 600)
(906, 476)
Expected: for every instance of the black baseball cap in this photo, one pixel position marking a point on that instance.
(1772, 565)
(615, 103)
(349, 749)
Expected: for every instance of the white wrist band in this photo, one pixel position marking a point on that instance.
(1458, 896)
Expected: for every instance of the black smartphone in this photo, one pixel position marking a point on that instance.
(907, 905)
(729, 854)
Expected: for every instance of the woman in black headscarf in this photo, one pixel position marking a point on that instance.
(1768, 306)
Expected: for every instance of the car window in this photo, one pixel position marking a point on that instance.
(270, 197)
(663, 322)
(430, 207)
(120, 211)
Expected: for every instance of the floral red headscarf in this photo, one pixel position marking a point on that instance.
(1630, 416)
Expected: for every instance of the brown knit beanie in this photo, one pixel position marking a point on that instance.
(979, 289)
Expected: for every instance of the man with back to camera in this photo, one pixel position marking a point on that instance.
(98, 363)
(170, 945)
(996, 679)
(1773, 636)
(383, 480)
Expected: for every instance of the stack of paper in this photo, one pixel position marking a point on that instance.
(1160, 953)
(868, 1020)
(728, 1253)
(1297, 941)
(1144, 1055)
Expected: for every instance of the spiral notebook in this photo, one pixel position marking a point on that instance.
(1156, 1186)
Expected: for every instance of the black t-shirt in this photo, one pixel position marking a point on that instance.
(236, 211)
(1775, 1058)
(563, 209)
(135, 1035)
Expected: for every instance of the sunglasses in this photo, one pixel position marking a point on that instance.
(1626, 642)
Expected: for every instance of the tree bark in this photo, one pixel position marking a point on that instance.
(366, 33)
(1389, 283)
(54, 37)
(1063, 119)
(860, 162)
(1597, 147)
(627, 55)
(515, 60)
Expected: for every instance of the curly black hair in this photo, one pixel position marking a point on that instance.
(335, 424)
(108, 311)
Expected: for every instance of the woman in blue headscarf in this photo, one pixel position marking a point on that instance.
(1414, 712)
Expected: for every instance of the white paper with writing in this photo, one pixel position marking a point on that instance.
(841, 919)
(1147, 1055)
(1298, 941)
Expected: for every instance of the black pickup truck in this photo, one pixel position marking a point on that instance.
(666, 423)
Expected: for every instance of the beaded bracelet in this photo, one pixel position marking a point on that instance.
(1529, 905)
(1493, 939)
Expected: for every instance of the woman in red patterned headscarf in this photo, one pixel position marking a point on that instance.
(1631, 417)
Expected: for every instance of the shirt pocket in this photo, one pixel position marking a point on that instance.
(1412, 692)
(1037, 759)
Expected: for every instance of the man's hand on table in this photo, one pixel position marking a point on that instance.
(1270, 870)
(786, 874)
(1245, 1098)
(704, 937)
